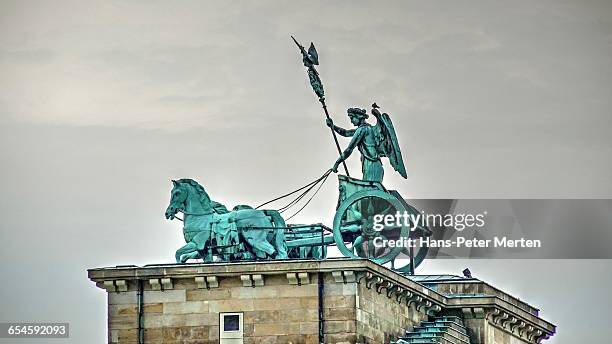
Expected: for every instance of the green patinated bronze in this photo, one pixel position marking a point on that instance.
(354, 235)
(214, 233)
(373, 142)
(209, 228)
(310, 59)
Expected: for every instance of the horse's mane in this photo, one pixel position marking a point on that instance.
(204, 198)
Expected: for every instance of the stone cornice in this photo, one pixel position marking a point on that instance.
(495, 302)
(264, 268)
(505, 316)
(517, 326)
(485, 287)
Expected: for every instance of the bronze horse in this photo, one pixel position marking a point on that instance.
(209, 228)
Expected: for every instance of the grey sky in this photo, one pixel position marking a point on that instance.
(103, 103)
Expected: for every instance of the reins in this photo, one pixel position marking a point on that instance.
(189, 213)
(306, 189)
(317, 183)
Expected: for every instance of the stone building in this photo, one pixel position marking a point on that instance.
(309, 301)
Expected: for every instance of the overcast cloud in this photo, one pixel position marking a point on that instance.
(103, 103)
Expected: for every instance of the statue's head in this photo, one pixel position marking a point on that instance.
(178, 196)
(357, 115)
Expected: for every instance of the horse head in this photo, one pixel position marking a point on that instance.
(178, 197)
(188, 196)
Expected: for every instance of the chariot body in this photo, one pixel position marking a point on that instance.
(359, 230)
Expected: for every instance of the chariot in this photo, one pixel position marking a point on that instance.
(359, 229)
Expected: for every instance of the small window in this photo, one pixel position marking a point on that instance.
(231, 322)
(231, 329)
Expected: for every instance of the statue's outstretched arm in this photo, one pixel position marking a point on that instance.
(344, 132)
(341, 131)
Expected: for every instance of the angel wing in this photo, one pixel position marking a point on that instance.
(387, 144)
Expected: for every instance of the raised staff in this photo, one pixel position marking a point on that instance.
(311, 59)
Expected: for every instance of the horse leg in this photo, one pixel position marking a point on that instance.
(264, 247)
(200, 241)
(256, 238)
(187, 248)
(280, 243)
(191, 255)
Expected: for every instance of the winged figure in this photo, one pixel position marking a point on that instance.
(373, 142)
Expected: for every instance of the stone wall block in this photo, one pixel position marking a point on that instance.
(153, 335)
(154, 296)
(344, 313)
(297, 315)
(213, 333)
(339, 301)
(276, 303)
(185, 307)
(232, 305)
(122, 298)
(302, 291)
(208, 294)
(254, 293)
(122, 309)
(262, 316)
(122, 322)
(310, 327)
(276, 329)
(339, 326)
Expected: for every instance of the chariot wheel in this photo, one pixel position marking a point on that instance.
(418, 254)
(355, 233)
